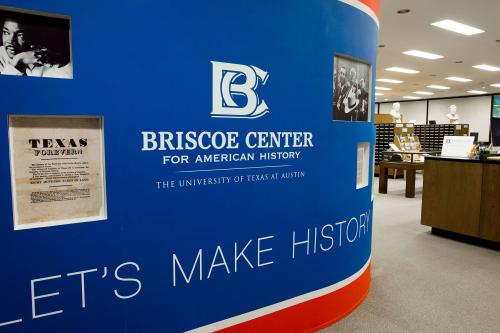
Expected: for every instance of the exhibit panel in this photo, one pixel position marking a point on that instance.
(185, 166)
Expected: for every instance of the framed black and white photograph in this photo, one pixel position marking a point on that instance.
(35, 44)
(351, 89)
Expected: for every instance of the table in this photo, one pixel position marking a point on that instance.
(411, 153)
(410, 169)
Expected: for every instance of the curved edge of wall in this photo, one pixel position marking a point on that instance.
(318, 309)
(306, 313)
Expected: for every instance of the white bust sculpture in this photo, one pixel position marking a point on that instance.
(395, 112)
(453, 116)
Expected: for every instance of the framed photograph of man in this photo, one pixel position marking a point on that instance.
(351, 89)
(35, 44)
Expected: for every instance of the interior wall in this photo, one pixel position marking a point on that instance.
(475, 111)
(414, 110)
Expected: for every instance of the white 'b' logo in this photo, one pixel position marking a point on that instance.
(231, 80)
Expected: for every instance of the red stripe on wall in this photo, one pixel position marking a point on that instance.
(312, 315)
(374, 5)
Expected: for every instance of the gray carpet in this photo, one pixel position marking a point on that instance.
(422, 282)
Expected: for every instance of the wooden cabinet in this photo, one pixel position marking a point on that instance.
(462, 196)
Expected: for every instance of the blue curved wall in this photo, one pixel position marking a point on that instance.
(147, 66)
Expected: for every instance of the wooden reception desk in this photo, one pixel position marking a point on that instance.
(462, 196)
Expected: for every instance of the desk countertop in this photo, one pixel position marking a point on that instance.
(460, 159)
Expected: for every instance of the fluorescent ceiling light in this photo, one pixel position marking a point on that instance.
(382, 88)
(386, 99)
(422, 54)
(411, 97)
(389, 81)
(487, 68)
(423, 93)
(458, 27)
(402, 70)
(496, 85)
(435, 86)
(477, 92)
(458, 79)
(379, 94)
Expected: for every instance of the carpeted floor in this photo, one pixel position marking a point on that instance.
(422, 282)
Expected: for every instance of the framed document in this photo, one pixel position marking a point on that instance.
(57, 170)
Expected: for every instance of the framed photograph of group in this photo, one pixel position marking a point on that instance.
(351, 89)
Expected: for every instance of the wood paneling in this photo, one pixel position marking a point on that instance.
(452, 196)
(384, 118)
(490, 203)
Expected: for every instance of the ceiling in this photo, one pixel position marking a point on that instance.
(413, 31)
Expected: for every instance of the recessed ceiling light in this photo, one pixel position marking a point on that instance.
(386, 99)
(411, 97)
(435, 86)
(403, 11)
(457, 27)
(458, 79)
(423, 93)
(379, 94)
(389, 81)
(382, 88)
(402, 70)
(496, 85)
(477, 92)
(487, 68)
(422, 54)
